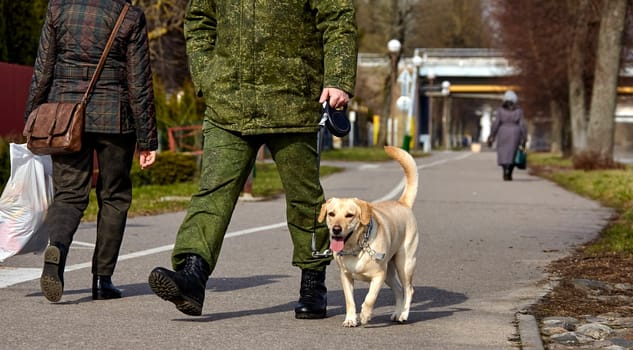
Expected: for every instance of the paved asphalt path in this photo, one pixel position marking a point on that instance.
(484, 243)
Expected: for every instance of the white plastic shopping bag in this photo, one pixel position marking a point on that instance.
(24, 202)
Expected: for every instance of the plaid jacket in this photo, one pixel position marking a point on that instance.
(73, 38)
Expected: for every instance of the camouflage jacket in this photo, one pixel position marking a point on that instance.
(73, 37)
(261, 64)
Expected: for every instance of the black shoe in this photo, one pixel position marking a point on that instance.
(507, 175)
(103, 289)
(313, 295)
(52, 280)
(184, 287)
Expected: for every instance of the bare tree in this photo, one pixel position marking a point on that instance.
(374, 18)
(568, 51)
(601, 122)
(575, 74)
(416, 24)
(533, 35)
(421, 24)
(167, 44)
(448, 23)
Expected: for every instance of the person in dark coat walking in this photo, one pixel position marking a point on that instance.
(510, 132)
(119, 119)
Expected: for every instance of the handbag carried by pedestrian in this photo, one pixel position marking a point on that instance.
(520, 158)
(57, 127)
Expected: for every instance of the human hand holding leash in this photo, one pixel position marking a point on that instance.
(337, 97)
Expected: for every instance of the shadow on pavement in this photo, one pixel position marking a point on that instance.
(424, 299)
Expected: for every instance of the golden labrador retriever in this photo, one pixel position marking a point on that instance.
(376, 242)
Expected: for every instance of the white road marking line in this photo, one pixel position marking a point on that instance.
(85, 244)
(400, 187)
(10, 276)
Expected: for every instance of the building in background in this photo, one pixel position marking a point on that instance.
(14, 91)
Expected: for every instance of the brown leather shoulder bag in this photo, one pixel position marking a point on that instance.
(57, 127)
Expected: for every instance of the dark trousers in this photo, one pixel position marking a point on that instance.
(72, 178)
(227, 161)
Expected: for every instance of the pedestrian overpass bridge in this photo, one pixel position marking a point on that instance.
(469, 71)
(453, 92)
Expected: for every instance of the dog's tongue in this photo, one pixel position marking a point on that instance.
(336, 244)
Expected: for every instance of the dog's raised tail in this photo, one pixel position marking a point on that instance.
(410, 171)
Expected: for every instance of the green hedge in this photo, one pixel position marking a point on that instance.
(178, 108)
(169, 168)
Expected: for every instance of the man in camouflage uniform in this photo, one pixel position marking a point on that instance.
(263, 68)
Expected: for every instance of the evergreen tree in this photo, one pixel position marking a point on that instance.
(20, 27)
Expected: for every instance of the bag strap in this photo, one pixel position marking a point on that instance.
(104, 55)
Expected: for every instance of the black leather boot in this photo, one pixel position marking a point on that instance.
(185, 287)
(52, 279)
(506, 173)
(312, 295)
(103, 289)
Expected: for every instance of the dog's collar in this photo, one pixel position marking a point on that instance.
(363, 246)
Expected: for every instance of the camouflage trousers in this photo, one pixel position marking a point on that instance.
(227, 161)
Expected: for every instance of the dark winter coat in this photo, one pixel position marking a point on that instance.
(261, 65)
(74, 35)
(509, 130)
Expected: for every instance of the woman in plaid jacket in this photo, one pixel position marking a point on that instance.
(119, 116)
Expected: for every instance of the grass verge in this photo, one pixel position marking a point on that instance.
(607, 259)
(158, 199)
(611, 188)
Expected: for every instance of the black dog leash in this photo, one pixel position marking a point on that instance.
(337, 123)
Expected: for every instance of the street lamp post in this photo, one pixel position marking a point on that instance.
(394, 47)
(446, 86)
(414, 110)
(429, 144)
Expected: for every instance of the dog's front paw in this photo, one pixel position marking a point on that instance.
(399, 317)
(350, 322)
(365, 316)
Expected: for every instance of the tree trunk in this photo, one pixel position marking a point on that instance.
(557, 127)
(575, 74)
(601, 115)
(386, 110)
(390, 98)
(446, 123)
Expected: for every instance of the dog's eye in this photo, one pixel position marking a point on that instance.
(331, 214)
(349, 215)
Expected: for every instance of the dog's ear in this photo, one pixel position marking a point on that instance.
(365, 211)
(323, 211)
